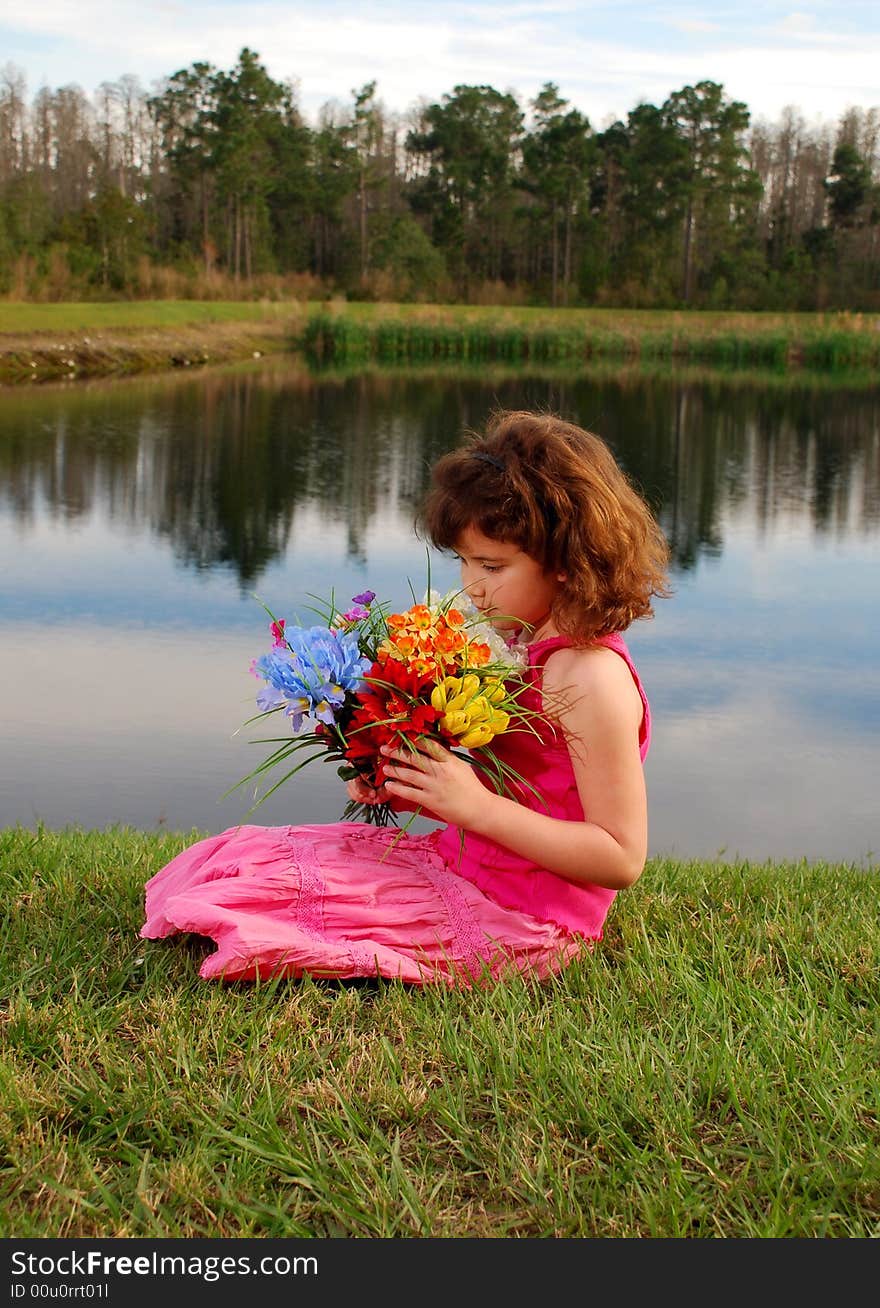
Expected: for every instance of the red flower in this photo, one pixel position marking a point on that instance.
(389, 711)
(402, 676)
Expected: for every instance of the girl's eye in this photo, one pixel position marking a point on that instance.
(485, 567)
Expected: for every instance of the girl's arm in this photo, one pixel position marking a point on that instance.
(600, 711)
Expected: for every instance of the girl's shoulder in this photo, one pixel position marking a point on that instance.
(588, 665)
(594, 679)
(562, 651)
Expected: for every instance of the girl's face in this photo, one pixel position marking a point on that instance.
(508, 586)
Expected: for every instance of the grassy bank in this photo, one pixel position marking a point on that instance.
(710, 1071)
(43, 341)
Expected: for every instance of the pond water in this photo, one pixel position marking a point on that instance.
(142, 520)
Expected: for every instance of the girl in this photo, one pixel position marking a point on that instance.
(557, 549)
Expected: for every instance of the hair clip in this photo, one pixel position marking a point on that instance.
(489, 458)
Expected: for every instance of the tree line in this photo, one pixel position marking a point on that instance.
(214, 183)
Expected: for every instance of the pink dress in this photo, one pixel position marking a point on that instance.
(348, 899)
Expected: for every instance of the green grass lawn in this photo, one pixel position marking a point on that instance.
(18, 318)
(608, 319)
(710, 1071)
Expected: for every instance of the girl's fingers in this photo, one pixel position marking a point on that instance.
(408, 769)
(427, 748)
(435, 749)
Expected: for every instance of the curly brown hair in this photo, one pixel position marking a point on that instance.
(557, 492)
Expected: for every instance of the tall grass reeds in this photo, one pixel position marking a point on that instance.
(358, 334)
(710, 1070)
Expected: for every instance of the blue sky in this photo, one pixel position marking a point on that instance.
(605, 58)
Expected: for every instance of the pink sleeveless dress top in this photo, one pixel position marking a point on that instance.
(511, 880)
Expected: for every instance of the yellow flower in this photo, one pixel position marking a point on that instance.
(455, 723)
(479, 709)
(479, 735)
(443, 692)
(470, 684)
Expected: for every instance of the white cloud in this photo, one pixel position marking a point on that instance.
(798, 24)
(420, 51)
(693, 25)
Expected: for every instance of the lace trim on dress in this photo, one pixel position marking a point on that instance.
(469, 940)
(364, 960)
(309, 915)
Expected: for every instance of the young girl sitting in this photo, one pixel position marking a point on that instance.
(559, 551)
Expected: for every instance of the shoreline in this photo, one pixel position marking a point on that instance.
(122, 339)
(45, 356)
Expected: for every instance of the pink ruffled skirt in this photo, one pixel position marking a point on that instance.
(344, 900)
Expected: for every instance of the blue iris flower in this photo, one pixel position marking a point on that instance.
(312, 674)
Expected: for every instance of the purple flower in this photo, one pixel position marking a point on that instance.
(366, 597)
(356, 614)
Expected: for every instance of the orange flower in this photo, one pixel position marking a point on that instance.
(420, 617)
(478, 655)
(404, 644)
(449, 641)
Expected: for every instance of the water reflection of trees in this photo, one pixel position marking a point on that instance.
(229, 467)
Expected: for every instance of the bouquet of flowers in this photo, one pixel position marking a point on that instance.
(367, 677)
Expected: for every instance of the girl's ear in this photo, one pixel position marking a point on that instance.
(562, 576)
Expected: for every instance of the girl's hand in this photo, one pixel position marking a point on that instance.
(362, 793)
(437, 782)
